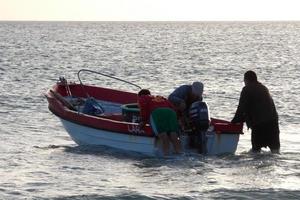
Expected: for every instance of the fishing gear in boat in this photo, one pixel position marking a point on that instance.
(64, 82)
(69, 99)
(91, 105)
(63, 100)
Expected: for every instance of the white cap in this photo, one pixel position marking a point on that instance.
(197, 88)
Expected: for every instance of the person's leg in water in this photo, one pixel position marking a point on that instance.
(275, 151)
(274, 141)
(275, 144)
(255, 140)
(162, 136)
(173, 129)
(176, 142)
(163, 121)
(266, 135)
(165, 143)
(255, 148)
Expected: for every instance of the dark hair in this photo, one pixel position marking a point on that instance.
(250, 76)
(144, 92)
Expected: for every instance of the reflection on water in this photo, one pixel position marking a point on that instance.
(38, 160)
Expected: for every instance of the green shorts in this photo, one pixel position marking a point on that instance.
(163, 120)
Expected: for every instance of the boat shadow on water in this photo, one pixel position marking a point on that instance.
(210, 194)
(141, 160)
(96, 151)
(194, 160)
(104, 151)
(120, 154)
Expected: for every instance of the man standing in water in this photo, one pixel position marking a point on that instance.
(159, 112)
(257, 109)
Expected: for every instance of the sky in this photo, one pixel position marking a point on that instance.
(150, 10)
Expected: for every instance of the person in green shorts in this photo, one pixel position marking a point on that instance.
(159, 112)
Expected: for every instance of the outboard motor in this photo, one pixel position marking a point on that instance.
(199, 117)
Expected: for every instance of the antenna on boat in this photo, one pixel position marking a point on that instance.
(95, 72)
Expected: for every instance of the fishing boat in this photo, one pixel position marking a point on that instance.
(99, 116)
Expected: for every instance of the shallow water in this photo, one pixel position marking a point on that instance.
(39, 161)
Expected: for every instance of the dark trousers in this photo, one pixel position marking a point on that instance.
(265, 135)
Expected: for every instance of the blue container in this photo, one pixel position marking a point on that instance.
(92, 107)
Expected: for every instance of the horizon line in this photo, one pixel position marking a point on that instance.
(177, 21)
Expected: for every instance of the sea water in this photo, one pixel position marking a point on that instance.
(38, 160)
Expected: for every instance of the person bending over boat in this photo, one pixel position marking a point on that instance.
(256, 108)
(163, 119)
(183, 97)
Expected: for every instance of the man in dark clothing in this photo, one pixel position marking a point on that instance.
(257, 109)
(183, 97)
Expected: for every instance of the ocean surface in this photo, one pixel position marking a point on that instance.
(38, 160)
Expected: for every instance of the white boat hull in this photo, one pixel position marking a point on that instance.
(221, 143)
(216, 144)
(84, 135)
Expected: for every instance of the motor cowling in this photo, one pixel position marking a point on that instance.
(199, 116)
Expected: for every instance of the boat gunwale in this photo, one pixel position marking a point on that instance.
(59, 109)
(62, 111)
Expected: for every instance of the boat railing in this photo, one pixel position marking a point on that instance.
(95, 103)
(106, 75)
